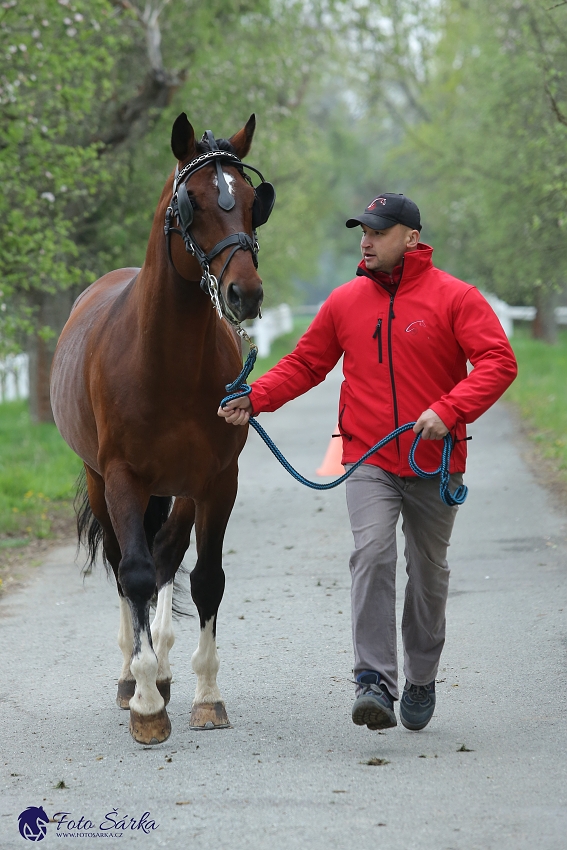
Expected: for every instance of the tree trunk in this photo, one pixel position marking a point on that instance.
(53, 312)
(544, 325)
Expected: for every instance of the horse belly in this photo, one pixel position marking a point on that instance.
(70, 396)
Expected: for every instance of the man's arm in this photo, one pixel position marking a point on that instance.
(316, 353)
(478, 331)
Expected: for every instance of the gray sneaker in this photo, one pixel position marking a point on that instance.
(373, 706)
(417, 705)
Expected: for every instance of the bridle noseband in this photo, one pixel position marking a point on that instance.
(182, 208)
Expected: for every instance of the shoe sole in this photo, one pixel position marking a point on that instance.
(413, 727)
(367, 712)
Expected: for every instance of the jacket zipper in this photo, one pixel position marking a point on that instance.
(378, 335)
(392, 315)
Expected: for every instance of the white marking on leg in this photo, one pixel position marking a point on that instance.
(205, 662)
(125, 637)
(144, 665)
(163, 636)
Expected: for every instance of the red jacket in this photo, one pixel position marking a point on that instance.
(403, 353)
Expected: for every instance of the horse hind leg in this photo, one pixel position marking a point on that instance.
(94, 526)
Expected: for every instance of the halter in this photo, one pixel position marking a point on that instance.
(182, 207)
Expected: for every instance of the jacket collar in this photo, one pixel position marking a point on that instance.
(415, 263)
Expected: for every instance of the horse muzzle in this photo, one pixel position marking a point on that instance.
(243, 302)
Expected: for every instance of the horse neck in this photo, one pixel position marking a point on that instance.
(174, 316)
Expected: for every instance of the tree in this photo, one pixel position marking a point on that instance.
(87, 103)
(476, 94)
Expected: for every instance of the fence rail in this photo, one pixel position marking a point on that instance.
(14, 377)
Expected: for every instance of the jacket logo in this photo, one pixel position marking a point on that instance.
(414, 327)
(377, 201)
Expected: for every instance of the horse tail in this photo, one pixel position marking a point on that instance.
(89, 529)
(90, 532)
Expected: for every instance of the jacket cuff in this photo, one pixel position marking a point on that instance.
(446, 413)
(259, 400)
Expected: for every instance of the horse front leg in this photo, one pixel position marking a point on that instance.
(207, 588)
(127, 501)
(170, 546)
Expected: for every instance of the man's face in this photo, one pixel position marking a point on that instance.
(384, 249)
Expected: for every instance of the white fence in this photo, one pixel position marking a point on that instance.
(274, 323)
(14, 377)
(507, 313)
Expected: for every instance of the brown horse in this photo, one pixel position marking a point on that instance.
(136, 381)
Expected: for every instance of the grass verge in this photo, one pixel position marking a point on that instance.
(37, 475)
(540, 395)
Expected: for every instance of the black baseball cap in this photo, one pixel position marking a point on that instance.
(387, 210)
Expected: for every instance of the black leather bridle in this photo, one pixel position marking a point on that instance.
(182, 207)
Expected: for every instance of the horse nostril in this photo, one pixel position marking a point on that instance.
(234, 296)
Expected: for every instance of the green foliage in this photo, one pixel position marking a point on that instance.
(37, 473)
(55, 61)
(488, 160)
(540, 391)
(466, 106)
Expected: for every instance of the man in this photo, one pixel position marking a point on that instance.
(406, 330)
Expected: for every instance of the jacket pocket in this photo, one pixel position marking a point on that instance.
(342, 431)
(377, 335)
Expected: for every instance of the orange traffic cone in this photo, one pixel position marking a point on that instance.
(332, 461)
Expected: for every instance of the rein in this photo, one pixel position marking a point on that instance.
(239, 388)
(182, 206)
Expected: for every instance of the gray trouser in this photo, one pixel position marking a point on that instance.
(375, 499)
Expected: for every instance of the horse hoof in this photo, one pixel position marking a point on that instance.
(150, 728)
(126, 688)
(209, 715)
(165, 690)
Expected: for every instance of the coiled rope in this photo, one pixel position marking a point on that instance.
(239, 389)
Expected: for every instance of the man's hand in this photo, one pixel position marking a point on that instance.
(237, 411)
(431, 426)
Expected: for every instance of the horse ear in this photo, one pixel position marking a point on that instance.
(182, 138)
(242, 141)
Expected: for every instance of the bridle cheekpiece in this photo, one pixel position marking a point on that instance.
(182, 206)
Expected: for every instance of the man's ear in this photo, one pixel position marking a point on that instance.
(414, 239)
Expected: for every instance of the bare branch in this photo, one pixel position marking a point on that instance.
(555, 106)
(158, 86)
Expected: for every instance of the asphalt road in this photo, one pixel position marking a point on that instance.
(488, 772)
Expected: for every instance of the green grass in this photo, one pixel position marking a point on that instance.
(37, 475)
(540, 392)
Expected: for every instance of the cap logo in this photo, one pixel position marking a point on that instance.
(375, 202)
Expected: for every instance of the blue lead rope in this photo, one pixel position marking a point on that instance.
(239, 388)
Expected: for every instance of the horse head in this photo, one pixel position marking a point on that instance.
(217, 210)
